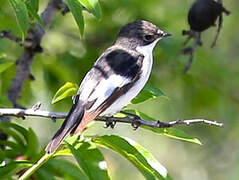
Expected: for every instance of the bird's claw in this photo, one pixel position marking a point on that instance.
(110, 123)
(135, 123)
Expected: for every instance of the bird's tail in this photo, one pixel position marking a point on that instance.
(71, 122)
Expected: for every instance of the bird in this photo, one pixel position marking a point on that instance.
(116, 77)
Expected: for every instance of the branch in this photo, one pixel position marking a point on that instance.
(135, 121)
(31, 48)
(10, 36)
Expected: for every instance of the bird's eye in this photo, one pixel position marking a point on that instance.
(161, 34)
(149, 37)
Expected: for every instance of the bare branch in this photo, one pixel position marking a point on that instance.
(134, 121)
(31, 47)
(10, 36)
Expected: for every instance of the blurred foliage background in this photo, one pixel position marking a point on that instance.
(209, 90)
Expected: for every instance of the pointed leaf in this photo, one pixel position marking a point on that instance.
(12, 145)
(68, 89)
(32, 144)
(20, 10)
(181, 135)
(136, 154)
(76, 9)
(13, 134)
(148, 92)
(18, 128)
(90, 160)
(93, 6)
(169, 132)
(32, 7)
(34, 4)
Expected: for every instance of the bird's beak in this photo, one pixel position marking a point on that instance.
(166, 34)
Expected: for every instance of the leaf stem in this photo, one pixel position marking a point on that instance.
(36, 166)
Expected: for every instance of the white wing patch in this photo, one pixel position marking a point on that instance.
(105, 88)
(85, 90)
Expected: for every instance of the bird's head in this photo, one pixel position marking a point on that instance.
(139, 33)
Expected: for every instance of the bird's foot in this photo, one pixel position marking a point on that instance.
(110, 123)
(135, 119)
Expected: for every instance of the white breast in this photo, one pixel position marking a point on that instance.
(133, 92)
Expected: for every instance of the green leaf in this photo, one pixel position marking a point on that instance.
(66, 151)
(32, 7)
(34, 4)
(10, 153)
(43, 174)
(12, 168)
(136, 154)
(13, 134)
(2, 155)
(20, 10)
(93, 6)
(4, 102)
(76, 9)
(148, 92)
(12, 145)
(169, 132)
(67, 167)
(32, 144)
(181, 135)
(68, 89)
(18, 128)
(90, 160)
(5, 64)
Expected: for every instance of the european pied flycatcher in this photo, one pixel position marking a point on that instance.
(116, 78)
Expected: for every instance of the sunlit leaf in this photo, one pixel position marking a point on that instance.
(65, 151)
(181, 135)
(136, 154)
(148, 92)
(93, 6)
(169, 132)
(68, 89)
(90, 160)
(76, 9)
(20, 10)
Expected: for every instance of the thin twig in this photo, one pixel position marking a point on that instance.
(10, 36)
(59, 115)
